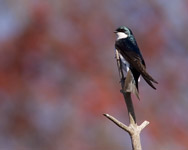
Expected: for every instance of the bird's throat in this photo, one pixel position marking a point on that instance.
(121, 35)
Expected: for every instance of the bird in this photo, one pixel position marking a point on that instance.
(131, 56)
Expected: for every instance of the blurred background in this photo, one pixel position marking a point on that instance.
(58, 74)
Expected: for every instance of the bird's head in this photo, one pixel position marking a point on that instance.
(123, 32)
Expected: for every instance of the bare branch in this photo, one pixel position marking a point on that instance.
(129, 87)
(143, 125)
(118, 123)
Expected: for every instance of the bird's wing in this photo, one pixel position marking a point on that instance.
(131, 53)
(137, 63)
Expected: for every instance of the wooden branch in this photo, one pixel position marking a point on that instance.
(129, 87)
(133, 129)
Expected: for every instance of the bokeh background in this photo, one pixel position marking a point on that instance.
(58, 74)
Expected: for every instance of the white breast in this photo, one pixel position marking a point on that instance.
(126, 65)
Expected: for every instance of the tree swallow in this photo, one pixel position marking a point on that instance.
(131, 56)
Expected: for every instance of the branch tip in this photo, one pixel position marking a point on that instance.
(143, 125)
(106, 115)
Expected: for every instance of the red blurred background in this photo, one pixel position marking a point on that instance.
(58, 74)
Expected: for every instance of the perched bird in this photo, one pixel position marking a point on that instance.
(131, 56)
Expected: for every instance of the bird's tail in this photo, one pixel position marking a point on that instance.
(149, 79)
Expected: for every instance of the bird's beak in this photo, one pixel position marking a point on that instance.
(115, 31)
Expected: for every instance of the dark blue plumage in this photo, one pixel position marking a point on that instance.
(127, 46)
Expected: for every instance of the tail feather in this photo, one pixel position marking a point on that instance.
(148, 79)
(142, 69)
(149, 82)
